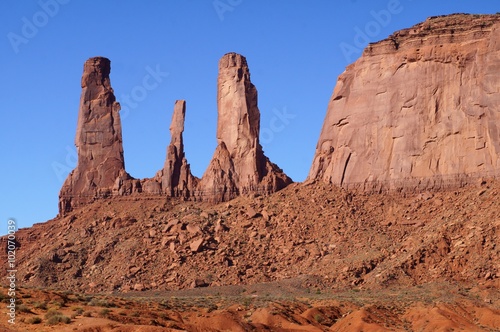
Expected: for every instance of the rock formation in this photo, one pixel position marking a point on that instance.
(176, 178)
(98, 140)
(418, 109)
(239, 165)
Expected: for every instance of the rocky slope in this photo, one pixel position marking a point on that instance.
(419, 109)
(344, 239)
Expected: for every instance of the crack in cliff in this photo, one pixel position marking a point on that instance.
(341, 122)
(345, 168)
(400, 66)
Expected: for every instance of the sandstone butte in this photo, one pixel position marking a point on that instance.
(418, 110)
(239, 165)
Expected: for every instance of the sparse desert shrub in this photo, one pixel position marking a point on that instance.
(78, 310)
(135, 314)
(23, 308)
(34, 320)
(57, 304)
(247, 301)
(104, 312)
(87, 314)
(55, 317)
(319, 319)
(53, 320)
(101, 303)
(84, 298)
(211, 307)
(123, 313)
(51, 313)
(40, 305)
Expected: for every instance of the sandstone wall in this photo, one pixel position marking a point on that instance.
(418, 107)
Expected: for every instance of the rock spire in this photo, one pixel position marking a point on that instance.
(98, 140)
(239, 165)
(176, 178)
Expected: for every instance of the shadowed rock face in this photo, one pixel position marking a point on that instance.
(239, 165)
(418, 109)
(98, 140)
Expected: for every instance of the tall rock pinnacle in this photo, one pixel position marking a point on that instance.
(239, 165)
(176, 179)
(419, 109)
(98, 140)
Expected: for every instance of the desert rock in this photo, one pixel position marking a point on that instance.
(98, 140)
(239, 165)
(177, 180)
(418, 109)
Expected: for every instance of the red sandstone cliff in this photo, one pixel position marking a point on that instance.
(419, 108)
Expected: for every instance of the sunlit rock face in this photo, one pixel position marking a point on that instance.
(419, 109)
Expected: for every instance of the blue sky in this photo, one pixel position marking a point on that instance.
(295, 50)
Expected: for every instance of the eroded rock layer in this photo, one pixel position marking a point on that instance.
(418, 109)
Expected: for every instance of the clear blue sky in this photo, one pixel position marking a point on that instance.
(294, 50)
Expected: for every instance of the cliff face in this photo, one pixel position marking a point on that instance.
(98, 140)
(417, 109)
